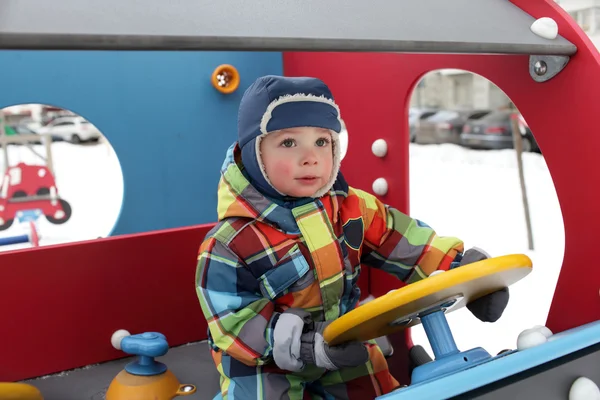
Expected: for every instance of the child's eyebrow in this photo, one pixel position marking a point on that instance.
(281, 132)
(292, 131)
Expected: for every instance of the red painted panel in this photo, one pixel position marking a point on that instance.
(61, 304)
(373, 91)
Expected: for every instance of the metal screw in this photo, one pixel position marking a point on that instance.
(540, 68)
(224, 79)
(187, 388)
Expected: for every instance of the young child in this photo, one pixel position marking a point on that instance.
(284, 259)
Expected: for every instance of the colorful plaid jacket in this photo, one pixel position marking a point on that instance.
(262, 258)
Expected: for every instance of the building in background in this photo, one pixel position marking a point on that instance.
(456, 89)
(32, 116)
(587, 15)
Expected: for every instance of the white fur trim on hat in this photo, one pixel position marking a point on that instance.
(291, 98)
(335, 137)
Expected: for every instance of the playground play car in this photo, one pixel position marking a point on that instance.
(535, 367)
(136, 282)
(27, 187)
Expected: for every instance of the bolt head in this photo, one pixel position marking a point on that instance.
(540, 68)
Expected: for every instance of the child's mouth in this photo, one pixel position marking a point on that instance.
(308, 179)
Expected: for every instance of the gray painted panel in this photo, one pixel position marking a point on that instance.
(441, 26)
(191, 364)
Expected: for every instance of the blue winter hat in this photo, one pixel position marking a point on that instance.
(273, 103)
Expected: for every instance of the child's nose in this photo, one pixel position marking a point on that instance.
(309, 158)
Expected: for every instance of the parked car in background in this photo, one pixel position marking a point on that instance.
(74, 129)
(445, 126)
(415, 115)
(494, 131)
(16, 130)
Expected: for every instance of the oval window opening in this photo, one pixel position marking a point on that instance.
(60, 179)
(465, 182)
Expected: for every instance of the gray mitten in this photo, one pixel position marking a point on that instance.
(473, 255)
(314, 350)
(299, 341)
(490, 307)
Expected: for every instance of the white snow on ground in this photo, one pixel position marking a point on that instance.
(89, 177)
(474, 195)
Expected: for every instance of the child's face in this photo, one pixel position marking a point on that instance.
(298, 161)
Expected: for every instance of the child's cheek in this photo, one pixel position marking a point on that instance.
(283, 168)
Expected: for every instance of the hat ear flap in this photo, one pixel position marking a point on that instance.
(261, 165)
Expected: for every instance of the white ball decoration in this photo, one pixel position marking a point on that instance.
(117, 336)
(544, 330)
(584, 389)
(545, 28)
(380, 186)
(379, 148)
(530, 338)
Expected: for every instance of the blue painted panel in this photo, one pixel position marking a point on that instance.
(170, 128)
(503, 366)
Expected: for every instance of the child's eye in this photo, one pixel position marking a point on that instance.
(322, 142)
(287, 143)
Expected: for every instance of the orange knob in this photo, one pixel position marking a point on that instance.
(225, 78)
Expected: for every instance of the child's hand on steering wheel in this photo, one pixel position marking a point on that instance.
(314, 350)
(490, 307)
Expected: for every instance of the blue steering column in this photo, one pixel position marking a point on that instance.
(448, 359)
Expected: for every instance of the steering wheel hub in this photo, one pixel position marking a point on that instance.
(445, 305)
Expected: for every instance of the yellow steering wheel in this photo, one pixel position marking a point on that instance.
(448, 291)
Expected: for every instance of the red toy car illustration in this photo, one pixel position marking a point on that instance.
(27, 187)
